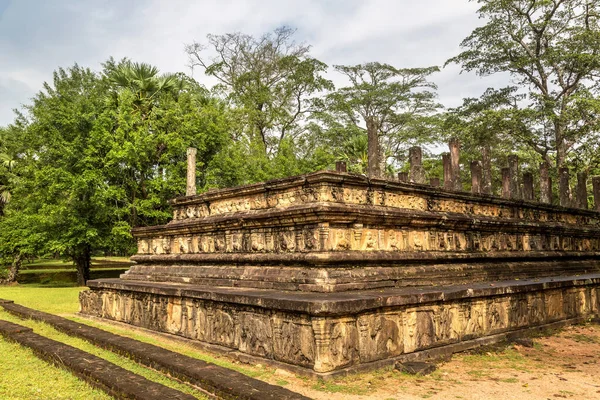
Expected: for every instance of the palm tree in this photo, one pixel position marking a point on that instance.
(144, 82)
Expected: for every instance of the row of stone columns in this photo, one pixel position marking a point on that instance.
(480, 177)
(511, 185)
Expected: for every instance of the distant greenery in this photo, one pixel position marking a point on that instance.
(97, 153)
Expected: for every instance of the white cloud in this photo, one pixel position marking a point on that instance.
(36, 38)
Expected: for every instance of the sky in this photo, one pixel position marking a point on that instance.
(39, 36)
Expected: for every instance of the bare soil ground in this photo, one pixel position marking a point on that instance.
(564, 364)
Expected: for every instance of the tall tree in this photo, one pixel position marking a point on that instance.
(152, 119)
(551, 48)
(395, 105)
(60, 198)
(269, 80)
(144, 81)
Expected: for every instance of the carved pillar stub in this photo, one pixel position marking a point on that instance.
(403, 176)
(486, 173)
(505, 183)
(415, 158)
(527, 186)
(448, 184)
(435, 182)
(475, 177)
(581, 191)
(545, 184)
(373, 167)
(564, 190)
(513, 173)
(454, 146)
(191, 172)
(596, 191)
(340, 166)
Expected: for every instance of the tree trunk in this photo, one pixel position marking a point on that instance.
(13, 272)
(83, 262)
(561, 151)
(373, 168)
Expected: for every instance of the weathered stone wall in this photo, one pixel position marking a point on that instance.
(334, 272)
(350, 334)
(381, 229)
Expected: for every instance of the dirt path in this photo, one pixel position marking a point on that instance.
(564, 365)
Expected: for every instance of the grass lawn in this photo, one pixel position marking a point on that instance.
(24, 376)
(59, 264)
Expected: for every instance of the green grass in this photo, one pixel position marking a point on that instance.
(62, 301)
(54, 271)
(24, 376)
(52, 262)
(65, 301)
(123, 362)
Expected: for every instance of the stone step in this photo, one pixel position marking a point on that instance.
(218, 381)
(114, 380)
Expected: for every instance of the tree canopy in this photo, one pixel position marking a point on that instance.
(97, 153)
(551, 48)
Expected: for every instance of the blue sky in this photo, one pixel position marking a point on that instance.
(38, 36)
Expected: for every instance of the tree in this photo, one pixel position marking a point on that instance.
(6, 163)
(152, 119)
(61, 197)
(143, 81)
(269, 80)
(394, 104)
(489, 129)
(551, 48)
(97, 157)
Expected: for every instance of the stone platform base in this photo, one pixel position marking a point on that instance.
(327, 334)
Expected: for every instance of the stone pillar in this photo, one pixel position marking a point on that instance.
(581, 191)
(545, 183)
(513, 172)
(403, 176)
(415, 158)
(564, 190)
(505, 183)
(527, 186)
(340, 166)
(475, 177)
(435, 182)
(455, 163)
(373, 168)
(448, 184)
(486, 173)
(596, 191)
(191, 172)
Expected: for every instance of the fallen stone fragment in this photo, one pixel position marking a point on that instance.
(416, 367)
(525, 342)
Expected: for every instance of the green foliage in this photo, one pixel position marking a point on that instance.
(400, 102)
(552, 50)
(99, 154)
(494, 122)
(268, 80)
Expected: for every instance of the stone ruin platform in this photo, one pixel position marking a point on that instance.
(330, 272)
